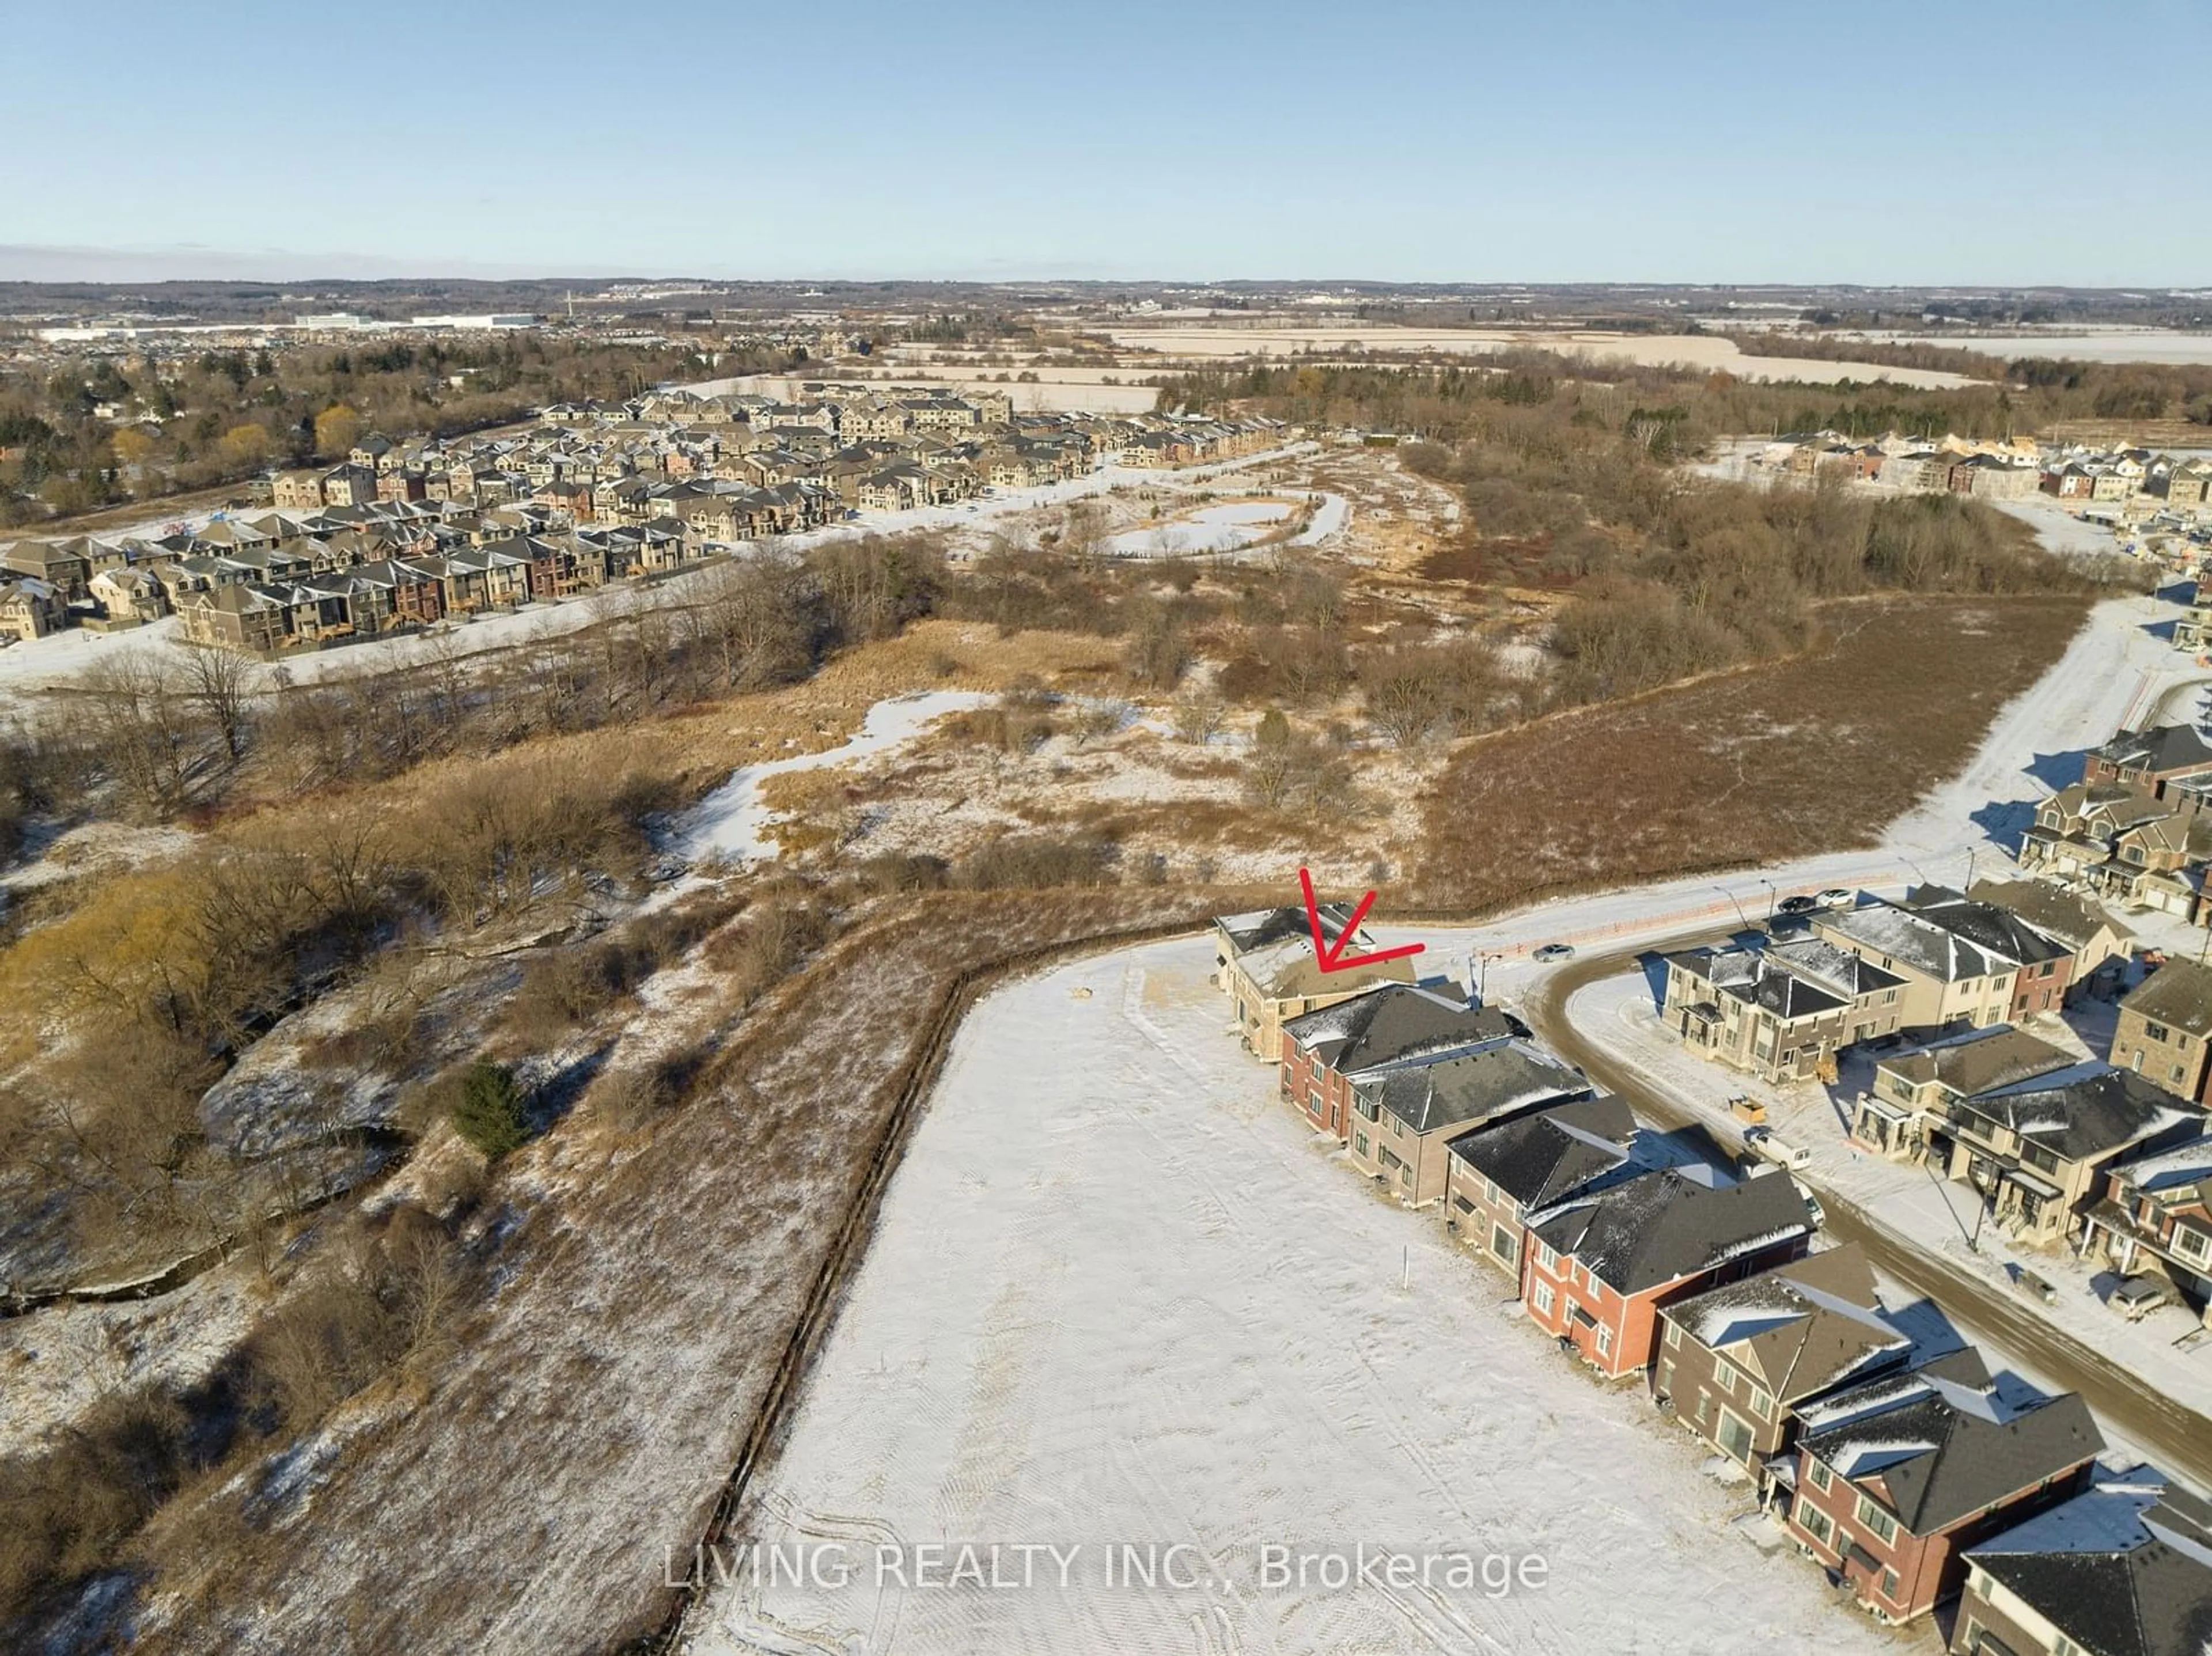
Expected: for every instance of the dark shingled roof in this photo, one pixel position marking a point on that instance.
(1666, 1225)
(1543, 1158)
(1504, 1078)
(2161, 748)
(2179, 993)
(1246, 932)
(1802, 1328)
(1396, 1023)
(2123, 1570)
(1935, 1449)
(1994, 931)
(2085, 1112)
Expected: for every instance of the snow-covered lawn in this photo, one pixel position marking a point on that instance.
(2168, 1347)
(1224, 527)
(1119, 1295)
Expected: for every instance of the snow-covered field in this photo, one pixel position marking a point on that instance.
(1220, 528)
(1120, 1297)
(730, 821)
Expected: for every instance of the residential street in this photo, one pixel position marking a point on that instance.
(2009, 1323)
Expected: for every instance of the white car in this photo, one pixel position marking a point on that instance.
(1836, 897)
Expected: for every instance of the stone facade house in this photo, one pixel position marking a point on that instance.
(2165, 1029)
(1499, 1174)
(1735, 1364)
(1782, 1012)
(1404, 1116)
(1265, 963)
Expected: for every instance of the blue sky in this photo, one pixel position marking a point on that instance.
(1658, 141)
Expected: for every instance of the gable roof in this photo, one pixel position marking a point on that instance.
(1500, 1078)
(2178, 993)
(1543, 1158)
(1395, 1024)
(2158, 748)
(1937, 1445)
(1245, 933)
(1977, 1060)
(2084, 1111)
(1665, 1225)
(1803, 1328)
(2065, 915)
(2122, 1570)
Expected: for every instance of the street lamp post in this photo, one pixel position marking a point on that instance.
(1773, 898)
(1742, 919)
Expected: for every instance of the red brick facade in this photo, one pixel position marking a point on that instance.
(1618, 1334)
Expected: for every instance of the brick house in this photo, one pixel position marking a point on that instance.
(1960, 961)
(1499, 1174)
(2149, 758)
(1404, 1116)
(1736, 1363)
(1390, 1025)
(2165, 1029)
(1895, 1479)
(1595, 1270)
(2122, 1569)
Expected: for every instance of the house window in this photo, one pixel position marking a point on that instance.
(1761, 1404)
(1490, 1192)
(1405, 1173)
(1502, 1244)
(1878, 1523)
(1889, 1587)
(1543, 1298)
(1674, 1335)
(1546, 1256)
(1605, 1339)
(1360, 1141)
(1815, 1523)
(2193, 1243)
(1725, 1377)
(1817, 1473)
(1734, 1437)
(2156, 1031)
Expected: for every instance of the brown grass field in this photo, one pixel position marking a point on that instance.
(1811, 754)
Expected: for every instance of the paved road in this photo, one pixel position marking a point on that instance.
(2180, 1437)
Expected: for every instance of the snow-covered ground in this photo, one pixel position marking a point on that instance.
(730, 822)
(1120, 1297)
(1224, 527)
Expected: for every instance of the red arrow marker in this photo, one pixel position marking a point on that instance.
(1330, 956)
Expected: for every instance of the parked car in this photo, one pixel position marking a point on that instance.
(2139, 1296)
(1554, 951)
(1813, 1210)
(1797, 906)
(1836, 897)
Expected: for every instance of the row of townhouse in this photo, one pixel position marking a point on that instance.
(1787, 1010)
(721, 470)
(1882, 1446)
(2134, 831)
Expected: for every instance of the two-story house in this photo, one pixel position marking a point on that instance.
(2121, 1569)
(1913, 1090)
(1736, 1363)
(1896, 1478)
(1265, 963)
(2165, 1029)
(1500, 1174)
(1405, 1116)
(1782, 1012)
(2156, 1218)
(1595, 1270)
(1390, 1025)
(1956, 966)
